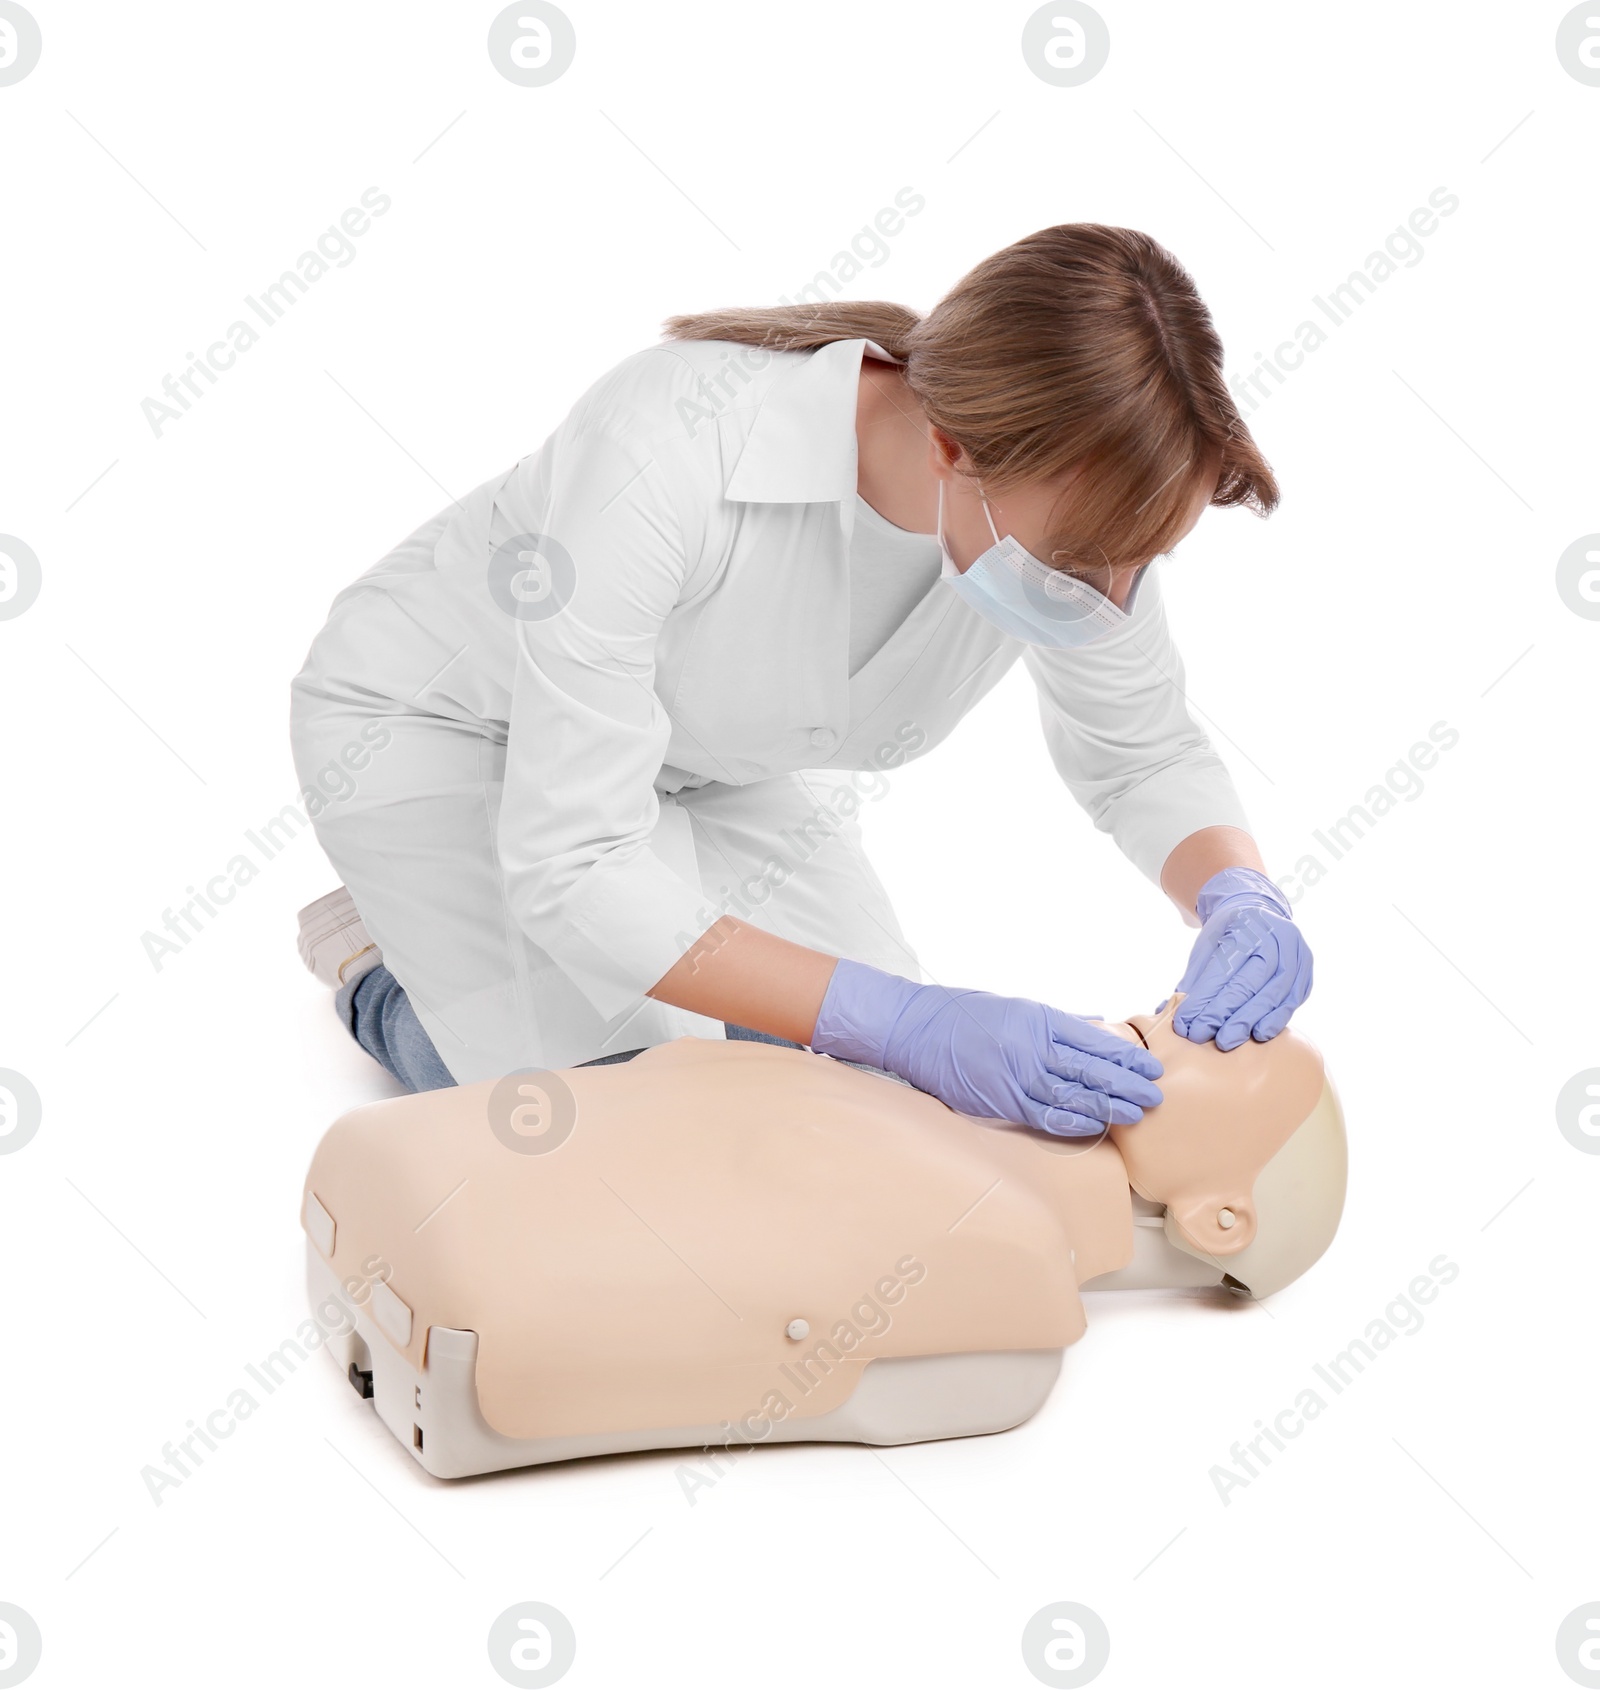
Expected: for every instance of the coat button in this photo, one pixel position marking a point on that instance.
(824, 738)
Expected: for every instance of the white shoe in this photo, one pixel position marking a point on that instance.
(334, 942)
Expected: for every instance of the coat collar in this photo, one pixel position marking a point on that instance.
(801, 448)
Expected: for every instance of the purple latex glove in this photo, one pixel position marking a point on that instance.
(1004, 1059)
(1250, 968)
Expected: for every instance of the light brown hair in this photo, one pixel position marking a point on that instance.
(1081, 347)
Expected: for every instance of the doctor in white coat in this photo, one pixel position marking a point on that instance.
(601, 725)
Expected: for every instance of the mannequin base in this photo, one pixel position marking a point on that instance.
(901, 1399)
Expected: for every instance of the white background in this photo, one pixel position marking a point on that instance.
(1436, 457)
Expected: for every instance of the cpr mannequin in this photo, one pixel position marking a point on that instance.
(732, 1243)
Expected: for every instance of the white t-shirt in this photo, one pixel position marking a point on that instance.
(890, 571)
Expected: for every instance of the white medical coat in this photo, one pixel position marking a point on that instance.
(614, 686)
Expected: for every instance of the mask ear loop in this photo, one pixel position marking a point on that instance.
(938, 521)
(989, 514)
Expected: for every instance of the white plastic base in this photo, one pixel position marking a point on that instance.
(900, 1399)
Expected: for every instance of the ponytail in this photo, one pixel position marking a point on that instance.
(803, 328)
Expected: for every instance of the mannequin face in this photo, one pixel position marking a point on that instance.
(1024, 511)
(1260, 1087)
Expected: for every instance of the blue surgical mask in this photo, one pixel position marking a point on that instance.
(1028, 599)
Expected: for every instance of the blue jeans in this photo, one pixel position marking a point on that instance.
(379, 1015)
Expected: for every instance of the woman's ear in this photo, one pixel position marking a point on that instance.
(945, 458)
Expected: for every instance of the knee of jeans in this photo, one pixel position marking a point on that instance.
(751, 1036)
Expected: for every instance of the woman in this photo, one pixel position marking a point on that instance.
(592, 708)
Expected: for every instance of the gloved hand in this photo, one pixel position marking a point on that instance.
(1007, 1059)
(1250, 968)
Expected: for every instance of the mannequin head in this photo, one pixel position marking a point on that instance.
(1245, 1157)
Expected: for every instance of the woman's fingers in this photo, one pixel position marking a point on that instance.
(1066, 1123)
(1096, 1074)
(1109, 1111)
(1276, 1020)
(1207, 974)
(1077, 1034)
(1199, 1018)
(1249, 1016)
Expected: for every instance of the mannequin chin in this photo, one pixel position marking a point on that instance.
(734, 1242)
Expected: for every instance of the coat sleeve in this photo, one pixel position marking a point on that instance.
(595, 873)
(1121, 736)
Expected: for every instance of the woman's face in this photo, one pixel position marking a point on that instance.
(1025, 512)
